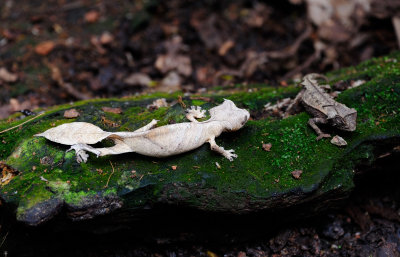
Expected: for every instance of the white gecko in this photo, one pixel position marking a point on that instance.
(157, 142)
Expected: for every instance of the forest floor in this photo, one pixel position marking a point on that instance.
(56, 51)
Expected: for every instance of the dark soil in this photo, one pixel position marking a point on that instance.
(211, 43)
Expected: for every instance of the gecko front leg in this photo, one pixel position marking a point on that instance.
(147, 127)
(229, 154)
(313, 123)
(195, 112)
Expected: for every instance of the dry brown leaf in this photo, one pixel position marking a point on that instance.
(96, 42)
(296, 173)
(5, 111)
(16, 105)
(180, 63)
(7, 173)
(8, 34)
(225, 47)
(161, 102)
(356, 83)
(211, 254)
(170, 83)
(140, 79)
(45, 47)
(112, 110)
(71, 113)
(92, 16)
(208, 31)
(334, 32)
(109, 123)
(320, 11)
(203, 75)
(106, 38)
(339, 141)
(7, 76)
(267, 147)
(242, 254)
(258, 15)
(170, 29)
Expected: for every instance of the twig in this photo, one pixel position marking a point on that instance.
(180, 101)
(4, 239)
(307, 63)
(292, 49)
(57, 77)
(16, 126)
(108, 180)
(396, 25)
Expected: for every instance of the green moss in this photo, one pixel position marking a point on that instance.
(256, 175)
(59, 187)
(34, 194)
(198, 102)
(76, 198)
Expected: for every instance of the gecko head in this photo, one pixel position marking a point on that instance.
(232, 117)
(347, 122)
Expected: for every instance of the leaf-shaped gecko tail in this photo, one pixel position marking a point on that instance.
(75, 133)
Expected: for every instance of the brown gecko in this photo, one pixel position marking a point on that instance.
(322, 107)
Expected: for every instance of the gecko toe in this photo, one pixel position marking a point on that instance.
(323, 136)
(81, 156)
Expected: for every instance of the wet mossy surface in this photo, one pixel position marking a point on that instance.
(50, 178)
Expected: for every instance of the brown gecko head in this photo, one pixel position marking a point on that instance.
(232, 117)
(346, 119)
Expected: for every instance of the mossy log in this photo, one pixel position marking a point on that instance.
(40, 179)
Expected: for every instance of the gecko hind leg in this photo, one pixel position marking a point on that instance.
(80, 151)
(81, 155)
(313, 123)
(229, 154)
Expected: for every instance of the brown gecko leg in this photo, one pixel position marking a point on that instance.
(313, 123)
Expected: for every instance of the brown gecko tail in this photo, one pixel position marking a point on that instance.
(315, 76)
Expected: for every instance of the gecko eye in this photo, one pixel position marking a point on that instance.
(246, 117)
